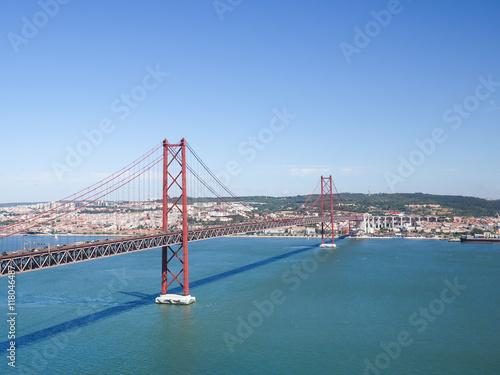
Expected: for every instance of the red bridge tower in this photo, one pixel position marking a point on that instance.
(175, 258)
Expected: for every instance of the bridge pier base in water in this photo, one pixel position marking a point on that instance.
(175, 299)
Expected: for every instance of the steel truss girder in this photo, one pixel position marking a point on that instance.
(74, 254)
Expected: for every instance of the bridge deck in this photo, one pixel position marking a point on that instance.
(67, 254)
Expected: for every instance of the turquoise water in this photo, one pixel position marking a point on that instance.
(298, 311)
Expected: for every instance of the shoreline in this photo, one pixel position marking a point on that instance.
(353, 238)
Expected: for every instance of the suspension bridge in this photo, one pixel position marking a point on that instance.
(174, 180)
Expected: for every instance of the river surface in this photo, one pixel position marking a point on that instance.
(265, 306)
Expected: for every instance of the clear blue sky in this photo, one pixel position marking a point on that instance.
(361, 102)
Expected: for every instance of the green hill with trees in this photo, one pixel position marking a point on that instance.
(449, 205)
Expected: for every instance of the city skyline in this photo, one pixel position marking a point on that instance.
(396, 96)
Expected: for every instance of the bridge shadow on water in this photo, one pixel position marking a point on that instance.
(142, 300)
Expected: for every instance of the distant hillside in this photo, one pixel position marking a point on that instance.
(450, 205)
